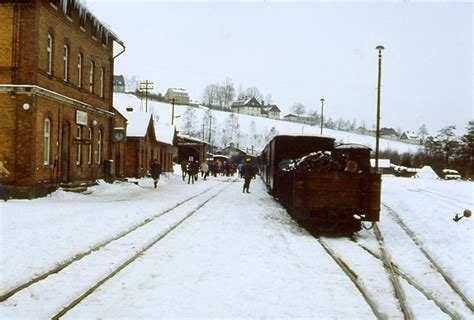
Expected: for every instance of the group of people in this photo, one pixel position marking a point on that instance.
(191, 170)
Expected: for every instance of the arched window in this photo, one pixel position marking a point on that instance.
(66, 62)
(99, 147)
(79, 145)
(89, 153)
(47, 142)
(49, 54)
(79, 70)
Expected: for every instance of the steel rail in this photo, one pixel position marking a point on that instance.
(88, 292)
(8, 294)
(354, 278)
(433, 262)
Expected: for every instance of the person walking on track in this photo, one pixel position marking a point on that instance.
(248, 172)
(155, 171)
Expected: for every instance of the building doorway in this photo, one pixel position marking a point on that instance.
(65, 146)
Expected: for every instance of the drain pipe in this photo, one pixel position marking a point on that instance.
(123, 49)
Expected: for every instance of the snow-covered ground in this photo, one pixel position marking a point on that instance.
(235, 255)
(163, 111)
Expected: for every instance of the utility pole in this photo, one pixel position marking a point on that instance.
(172, 112)
(377, 133)
(322, 114)
(146, 86)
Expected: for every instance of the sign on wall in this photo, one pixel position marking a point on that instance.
(81, 117)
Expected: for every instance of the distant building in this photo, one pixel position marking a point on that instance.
(410, 137)
(119, 83)
(235, 154)
(291, 117)
(249, 106)
(389, 132)
(180, 96)
(271, 111)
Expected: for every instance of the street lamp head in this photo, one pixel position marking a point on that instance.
(380, 48)
(322, 100)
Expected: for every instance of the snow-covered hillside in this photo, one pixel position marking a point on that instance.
(163, 111)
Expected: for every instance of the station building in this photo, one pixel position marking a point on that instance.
(56, 86)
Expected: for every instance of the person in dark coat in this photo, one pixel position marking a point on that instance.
(184, 168)
(193, 170)
(248, 172)
(155, 171)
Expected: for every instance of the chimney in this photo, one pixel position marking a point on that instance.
(263, 103)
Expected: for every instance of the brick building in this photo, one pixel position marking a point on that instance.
(56, 73)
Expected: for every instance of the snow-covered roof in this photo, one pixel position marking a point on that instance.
(164, 133)
(352, 146)
(84, 10)
(290, 115)
(410, 135)
(185, 136)
(137, 123)
(177, 90)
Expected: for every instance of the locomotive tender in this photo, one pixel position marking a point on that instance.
(335, 200)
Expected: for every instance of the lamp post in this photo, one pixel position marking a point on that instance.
(322, 114)
(377, 133)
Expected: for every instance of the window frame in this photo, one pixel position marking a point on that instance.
(47, 142)
(49, 54)
(79, 145)
(102, 82)
(89, 149)
(91, 77)
(99, 146)
(80, 59)
(66, 62)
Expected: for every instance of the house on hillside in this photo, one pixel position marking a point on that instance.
(56, 67)
(179, 95)
(271, 111)
(119, 83)
(410, 137)
(389, 132)
(249, 106)
(291, 117)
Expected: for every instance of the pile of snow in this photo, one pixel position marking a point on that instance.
(427, 173)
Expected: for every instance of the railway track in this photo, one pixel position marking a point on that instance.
(51, 295)
(395, 273)
(355, 279)
(459, 203)
(435, 265)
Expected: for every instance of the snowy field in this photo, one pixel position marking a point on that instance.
(162, 112)
(220, 253)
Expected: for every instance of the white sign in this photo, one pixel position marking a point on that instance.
(81, 117)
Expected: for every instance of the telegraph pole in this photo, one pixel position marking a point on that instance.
(172, 112)
(322, 114)
(146, 86)
(377, 133)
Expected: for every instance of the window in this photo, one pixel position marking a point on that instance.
(79, 70)
(99, 147)
(91, 77)
(103, 37)
(47, 142)
(66, 62)
(78, 137)
(89, 153)
(67, 7)
(102, 72)
(49, 67)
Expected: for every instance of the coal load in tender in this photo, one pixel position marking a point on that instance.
(318, 162)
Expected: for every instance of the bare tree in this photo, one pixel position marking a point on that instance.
(210, 95)
(231, 130)
(189, 122)
(423, 132)
(299, 109)
(228, 92)
(251, 92)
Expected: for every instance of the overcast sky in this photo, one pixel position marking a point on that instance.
(301, 52)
